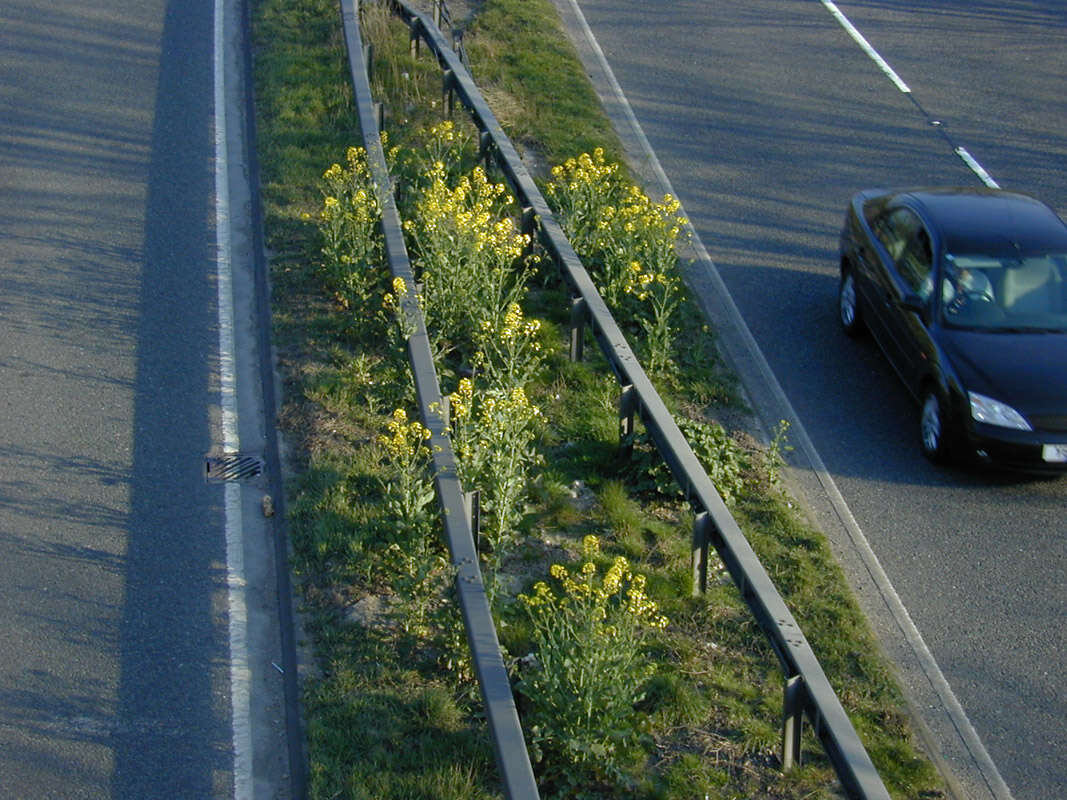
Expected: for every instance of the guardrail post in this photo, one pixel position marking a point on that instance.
(528, 226)
(792, 722)
(579, 312)
(627, 407)
(529, 221)
(485, 148)
(446, 412)
(700, 553)
(368, 60)
(449, 94)
(473, 506)
(414, 44)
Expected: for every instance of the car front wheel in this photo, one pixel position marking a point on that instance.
(934, 428)
(848, 305)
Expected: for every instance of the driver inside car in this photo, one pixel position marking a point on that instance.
(962, 285)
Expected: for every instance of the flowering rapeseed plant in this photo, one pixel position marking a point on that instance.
(394, 306)
(493, 433)
(466, 246)
(408, 484)
(590, 669)
(510, 351)
(628, 243)
(419, 568)
(446, 144)
(658, 295)
(348, 223)
(581, 190)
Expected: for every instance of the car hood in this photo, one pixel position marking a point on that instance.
(1028, 371)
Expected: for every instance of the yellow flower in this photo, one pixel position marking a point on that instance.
(518, 397)
(462, 399)
(615, 575)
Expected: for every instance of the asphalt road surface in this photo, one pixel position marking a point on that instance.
(765, 116)
(140, 652)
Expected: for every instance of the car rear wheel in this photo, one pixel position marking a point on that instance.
(934, 436)
(848, 304)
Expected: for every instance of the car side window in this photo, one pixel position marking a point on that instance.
(902, 234)
(894, 229)
(916, 264)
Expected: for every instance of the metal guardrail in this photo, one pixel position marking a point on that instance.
(509, 744)
(807, 690)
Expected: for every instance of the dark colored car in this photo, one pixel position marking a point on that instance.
(965, 291)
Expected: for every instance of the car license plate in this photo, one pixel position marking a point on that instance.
(1054, 453)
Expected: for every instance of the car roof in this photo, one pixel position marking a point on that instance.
(992, 221)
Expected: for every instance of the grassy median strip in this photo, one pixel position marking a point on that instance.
(585, 548)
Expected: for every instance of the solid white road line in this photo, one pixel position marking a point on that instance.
(240, 674)
(799, 434)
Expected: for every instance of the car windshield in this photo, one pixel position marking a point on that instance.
(1018, 293)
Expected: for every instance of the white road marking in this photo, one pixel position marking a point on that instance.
(863, 43)
(978, 169)
(240, 674)
(989, 772)
(861, 40)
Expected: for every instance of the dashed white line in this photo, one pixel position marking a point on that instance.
(863, 43)
(966, 157)
(977, 168)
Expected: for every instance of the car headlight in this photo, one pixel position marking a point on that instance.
(993, 412)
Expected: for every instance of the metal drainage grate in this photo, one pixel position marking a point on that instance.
(232, 467)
